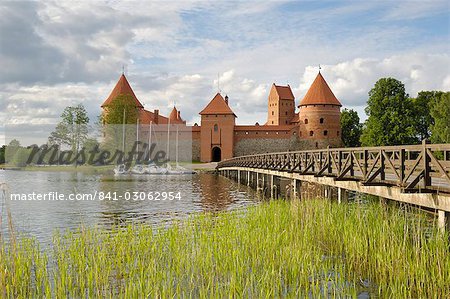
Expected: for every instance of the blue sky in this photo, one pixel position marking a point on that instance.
(55, 54)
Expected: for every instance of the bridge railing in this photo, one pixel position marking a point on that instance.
(423, 167)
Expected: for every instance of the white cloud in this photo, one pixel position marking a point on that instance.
(352, 80)
(56, 54)
(410, 10)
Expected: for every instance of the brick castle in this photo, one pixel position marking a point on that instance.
(316, 125)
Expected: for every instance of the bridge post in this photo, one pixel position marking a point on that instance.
(443, 220)
(383, 201)
(294, 189)
(263, 185)
(299, 189)
(239, 176)
(271, 186)
(257, 181)
(426, 165)
(340, 191)
(248, 178)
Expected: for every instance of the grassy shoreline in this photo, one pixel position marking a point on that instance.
(276, 249)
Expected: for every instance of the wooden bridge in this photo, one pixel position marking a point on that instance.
(413, 174)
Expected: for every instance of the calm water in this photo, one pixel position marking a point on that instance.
(199, 192)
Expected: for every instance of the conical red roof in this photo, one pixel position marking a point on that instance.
(319, 94)
(217, 106)
(174, 114)
(122, 88)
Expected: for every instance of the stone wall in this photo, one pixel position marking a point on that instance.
(254, 146)
(196, 150)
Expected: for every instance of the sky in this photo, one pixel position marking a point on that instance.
(59, 53)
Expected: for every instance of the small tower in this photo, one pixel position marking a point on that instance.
(217, 129)
(175, 117)
(319, 115)
(281, 105)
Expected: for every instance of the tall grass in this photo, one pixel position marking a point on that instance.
(276, 249)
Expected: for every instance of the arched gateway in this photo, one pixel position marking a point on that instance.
(216, 154)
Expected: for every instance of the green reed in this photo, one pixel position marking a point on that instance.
(277, 249)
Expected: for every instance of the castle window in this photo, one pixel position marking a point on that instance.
(216, 115)
(272, 112)
(286, 112)
(317, 144)
(311, 133)
(321, 120)
(216, 128)
(272, 122)
(306, 121)
(338, 133)
(325, 133)
(285, 121)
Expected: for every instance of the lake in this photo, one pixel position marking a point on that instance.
(40, 218)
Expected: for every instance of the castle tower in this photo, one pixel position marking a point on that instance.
(281, 105)
(217, 129)
(319, 115)
(122, 88)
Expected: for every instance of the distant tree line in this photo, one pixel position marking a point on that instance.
(394, 118)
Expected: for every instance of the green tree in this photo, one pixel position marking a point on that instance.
(11, 150)
(440, 111)
(73, 128)
(2, 154)
(120, 134)
(423, 121)
(15, 154)
(14, 143)
(351, 128)
(122, 105)
(390, 112)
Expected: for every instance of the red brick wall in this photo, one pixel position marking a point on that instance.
(222, 137)
(280, 112)
(310, 116)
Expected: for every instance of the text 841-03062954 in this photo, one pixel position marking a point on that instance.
(138, 195)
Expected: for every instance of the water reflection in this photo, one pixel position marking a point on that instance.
(215, 192)
(200, 192)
